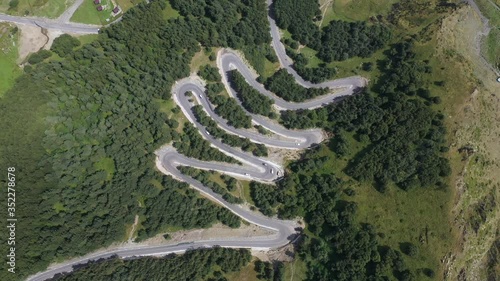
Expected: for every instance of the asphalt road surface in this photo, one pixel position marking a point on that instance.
(57, 24)
(254, 168)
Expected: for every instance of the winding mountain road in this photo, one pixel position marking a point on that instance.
(252, 167)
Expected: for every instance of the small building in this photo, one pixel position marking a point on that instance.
(97, 2)
(99, 8)
(116, 10)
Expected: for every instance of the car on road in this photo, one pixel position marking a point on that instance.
(247, 174)
(265, 164)
(271, 171)
(200, 96)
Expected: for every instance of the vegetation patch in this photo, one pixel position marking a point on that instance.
(283, 84)
(197, 265)
(107, 99)
(38, 8)
(92, 13)
(262, 58)
(8, 49)
(206, 178)
(245, 144)
(193, 145)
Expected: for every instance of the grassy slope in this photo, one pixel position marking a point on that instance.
(40, 8)
(419, 214)
(491, 44)
(8, 56)
(472, 111)
(87, 13)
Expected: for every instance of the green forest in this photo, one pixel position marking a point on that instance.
(227, 107)
(194, 265)
(81, 131)
(204, 178)
(251, 99)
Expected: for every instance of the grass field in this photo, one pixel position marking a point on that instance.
(247, 273)
(88, 13)
(9, 69)
(39, 8)
(202, 58)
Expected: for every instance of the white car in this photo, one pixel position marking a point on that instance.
(272, 171)
(200, 96)
(247, 174)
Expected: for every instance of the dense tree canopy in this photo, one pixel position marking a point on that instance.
(204, 178)
(64, 44)
(227, 107)
(340, 248)
(265, 197)
(197, 265)
(209, 73)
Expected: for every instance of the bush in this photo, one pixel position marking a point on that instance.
(64, 44)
